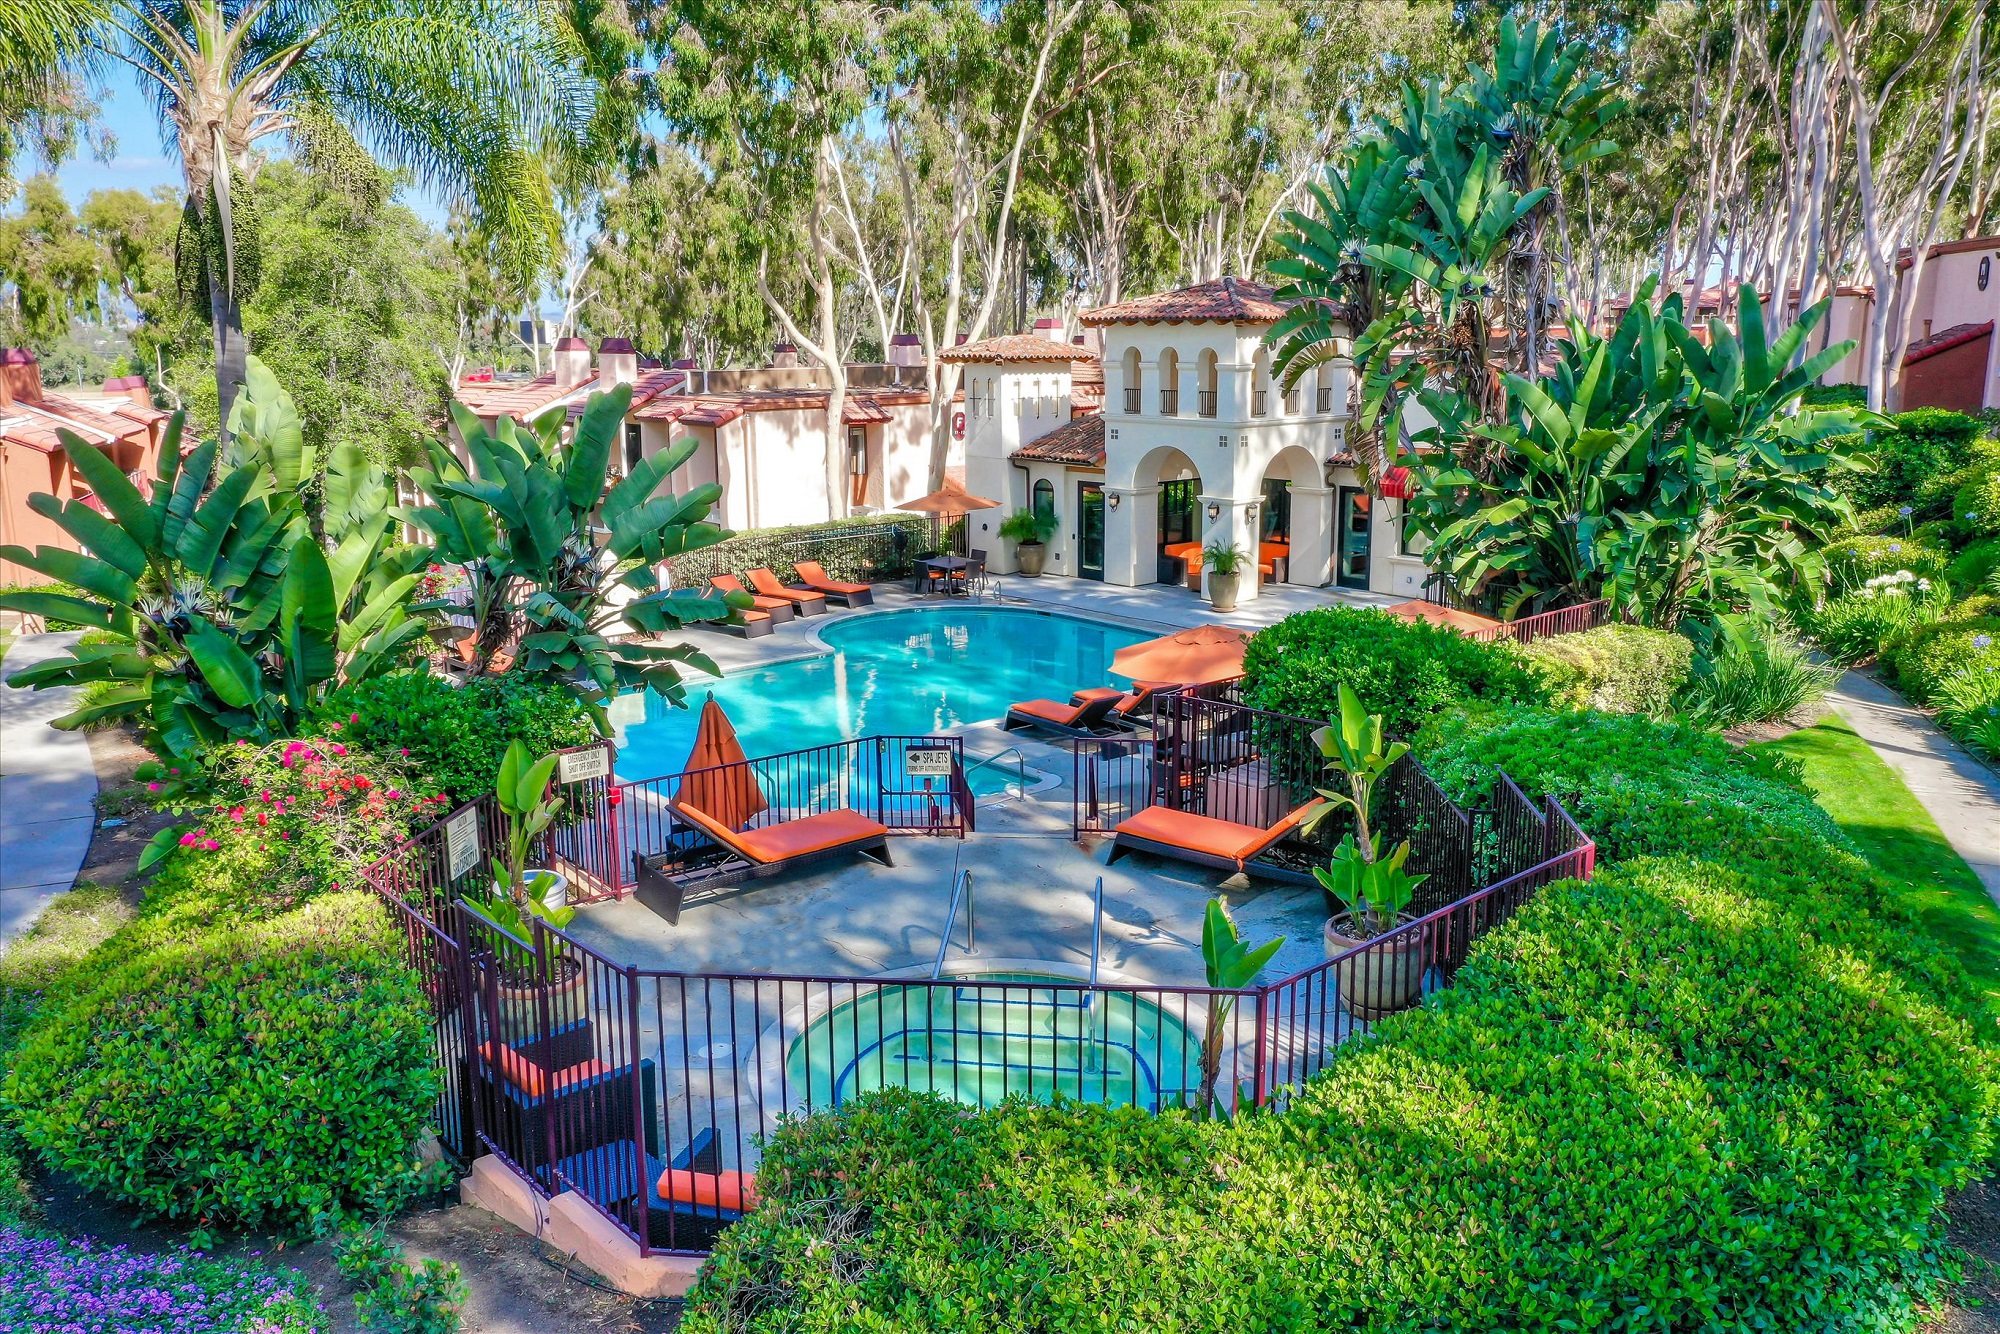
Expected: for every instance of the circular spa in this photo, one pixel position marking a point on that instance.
(983, 1038)
(915, 672)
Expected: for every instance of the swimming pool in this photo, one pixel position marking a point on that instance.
(908, 673)
(978, 1042)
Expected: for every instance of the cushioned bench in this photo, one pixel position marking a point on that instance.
(1199, 838)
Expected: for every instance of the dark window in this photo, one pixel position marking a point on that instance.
(1045, 501)
(1277, 517)
(635, 453)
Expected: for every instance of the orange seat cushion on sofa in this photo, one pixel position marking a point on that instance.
(532, 1079)
(1205, 834)
(735, 1191)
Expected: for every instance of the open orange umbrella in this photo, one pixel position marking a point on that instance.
(1186, 657)
(951, 498)
(717, 779)
(1446, 616)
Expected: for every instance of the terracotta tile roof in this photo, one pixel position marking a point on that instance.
(1080, 444)
(1011, 347)
(1224, 301)
(34, 422)
(649, 386)
(519, 398)
(857, 410)
(1945, 339)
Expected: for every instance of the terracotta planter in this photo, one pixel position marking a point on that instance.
(1381, 981)
(1029, 556)
(521, 1002)
(1222, 590)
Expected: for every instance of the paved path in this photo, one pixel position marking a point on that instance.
(1961, 794)
(47, 783)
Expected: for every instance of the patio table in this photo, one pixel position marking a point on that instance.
(943, 568)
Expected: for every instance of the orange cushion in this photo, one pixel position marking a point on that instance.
(735, 1191)
(815, 833)
(767, 583)
(1085, 696)
(1205, 834)
(532, 1079)
(726, 583)
(811, 572)
(1048, 710)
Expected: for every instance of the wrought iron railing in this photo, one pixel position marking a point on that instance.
(1132, 402)
(1204, 400)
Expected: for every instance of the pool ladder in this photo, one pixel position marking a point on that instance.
(1020, 768)
(961, 890)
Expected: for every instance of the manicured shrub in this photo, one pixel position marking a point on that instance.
(1975, 507)
(1973, 566)
(1404, 670)
(58, 1287)
(1880, 519)
(456, 734)
(1921, 661)
(1765, 676)
(1921, 444)
(230, 1069)
(1861, 624)
(1853, 561)
(1615, 668)
(1835, 396)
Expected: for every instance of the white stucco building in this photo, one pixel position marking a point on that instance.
(1193, 445)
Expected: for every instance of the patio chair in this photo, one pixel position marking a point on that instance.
(807, 601)
(742, 624)
(1127, 704)
(973, 574)
(1200, 839)
(778, 609)
(772, 848)
(813, 579)
(1091, 718)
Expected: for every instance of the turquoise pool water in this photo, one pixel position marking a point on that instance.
(905, 673)
(980, 1043)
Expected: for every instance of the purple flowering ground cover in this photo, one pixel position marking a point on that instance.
(84, 1287)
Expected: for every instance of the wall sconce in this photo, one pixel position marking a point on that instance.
(1114, 500)
(1250, 510)
(1215, 511)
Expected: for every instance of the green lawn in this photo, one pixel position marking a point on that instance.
(1893, 830)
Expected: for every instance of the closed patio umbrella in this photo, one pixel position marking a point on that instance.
(1186, 657)
(717, 779)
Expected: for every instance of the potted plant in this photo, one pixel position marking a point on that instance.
(1372, 889)
(520, 895)
(1029, 532)
(1225, 567)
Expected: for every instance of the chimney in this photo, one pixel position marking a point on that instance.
(617, 363)
(571, 362)
(1051, 328)
(132, 387)
(683, 363)
(1091, 341)
(906, 350)
(784, 357)
(20, 376)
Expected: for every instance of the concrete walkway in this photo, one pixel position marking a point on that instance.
(47, 785)
(1961, 794)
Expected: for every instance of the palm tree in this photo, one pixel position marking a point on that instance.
(471, 96)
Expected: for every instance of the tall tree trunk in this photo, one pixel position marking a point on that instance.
(225, 315)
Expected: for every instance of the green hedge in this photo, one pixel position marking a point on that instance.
(1976, 505)
(1724, 1094)
(864, 549)
(1404, 670)
(456, 734)
(224, 1065)
(1972, 567)
(1616, 668)
(1922, 444)
(1863, 623)
(1921, 661)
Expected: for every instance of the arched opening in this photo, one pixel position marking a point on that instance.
(1204, 375)
(1044, 502)
(1170, 383)
(1291, 529)
(1323, 389)
(1134, 381)
(1176, 518)
(1260, 384)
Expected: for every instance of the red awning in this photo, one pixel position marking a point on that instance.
(1396, 484)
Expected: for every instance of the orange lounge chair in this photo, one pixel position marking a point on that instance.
(1124, 702)
(1201, 839)
(777, 847)
(1090, 718)
(779, 610)
(812, 579)
(808, 602)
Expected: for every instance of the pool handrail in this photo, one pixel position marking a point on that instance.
(961, 888)
(1097, 932)
(1020, 767)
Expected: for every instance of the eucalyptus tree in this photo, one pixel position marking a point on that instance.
(473, 96)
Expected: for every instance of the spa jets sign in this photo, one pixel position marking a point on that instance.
(927, 761)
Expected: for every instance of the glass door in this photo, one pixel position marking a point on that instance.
(1089, 530)
(1351, 568)
(1180, 523)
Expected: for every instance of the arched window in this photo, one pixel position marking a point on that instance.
(1170, 383)
(1133, 378)
(1205, 383)
(1323, 390)
(1045, 501)
(1260, 384)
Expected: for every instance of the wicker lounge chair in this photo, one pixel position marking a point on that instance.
(813, 579)
(1125, 703)
(1091, 718)
(778, 609)
(1201, 839)
(809, 603)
